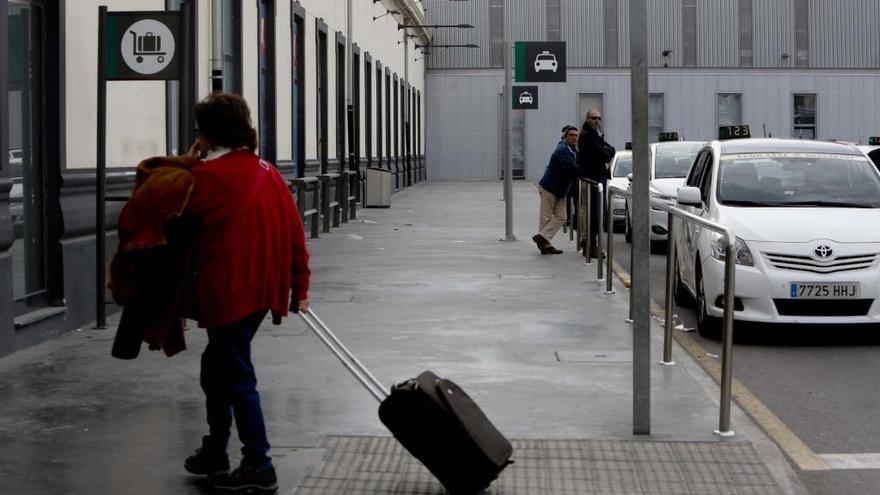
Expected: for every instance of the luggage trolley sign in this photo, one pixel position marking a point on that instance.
(143, 45)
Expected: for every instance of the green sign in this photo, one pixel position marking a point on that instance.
(539, 61)
(143, 45)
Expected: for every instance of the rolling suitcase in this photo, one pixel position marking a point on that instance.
(434, 419)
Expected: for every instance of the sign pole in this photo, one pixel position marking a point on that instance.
(508, 145)
(101, 164)
(640, 248)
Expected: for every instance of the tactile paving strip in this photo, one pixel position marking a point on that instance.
(380, 466)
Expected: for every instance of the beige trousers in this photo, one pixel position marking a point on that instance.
(552, 213)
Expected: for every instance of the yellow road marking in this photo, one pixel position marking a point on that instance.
(785, 438)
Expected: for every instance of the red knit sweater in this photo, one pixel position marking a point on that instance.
(251, 247)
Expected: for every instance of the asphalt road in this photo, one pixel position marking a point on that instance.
(823, 383)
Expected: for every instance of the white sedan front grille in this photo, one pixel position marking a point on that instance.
(809, 264)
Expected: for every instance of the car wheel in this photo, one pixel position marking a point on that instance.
(707, 326)
(627, 231)
(680, 294)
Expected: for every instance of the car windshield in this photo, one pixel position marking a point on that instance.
(673, 160)
(623, 167)
(798, 179)
(546, 57)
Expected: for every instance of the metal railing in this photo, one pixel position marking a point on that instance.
(584, 230)
(729, 293)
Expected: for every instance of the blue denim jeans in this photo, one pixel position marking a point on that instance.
(230, 387)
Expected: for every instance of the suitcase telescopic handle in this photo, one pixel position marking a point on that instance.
(351, 363)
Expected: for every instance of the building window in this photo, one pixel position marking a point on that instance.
(610, 17)
(27, 164)
(267, 109)
(340, 101)
(729, 109)
(379, 111)
(368, 108)
(554, 20)
(396, 114)
(496, 33)
(231, 45)
(805, 116)
(298, 101)
(802, 33)
(746, 39)
(355, 152)
(321, 93)
(656, 117)
(689, 32)
(388, 114)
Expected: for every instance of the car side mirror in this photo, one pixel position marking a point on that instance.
(690, 196)
(629, 177)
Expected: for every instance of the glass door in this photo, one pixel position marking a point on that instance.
(26, 149)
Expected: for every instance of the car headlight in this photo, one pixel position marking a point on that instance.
(743, 255)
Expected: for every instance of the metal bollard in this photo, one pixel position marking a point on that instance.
(670, 268)
(609, 261)
(630, 319)
(599, 226)
(727, 337)
(586, 215)
(580, 216)
(569, 210)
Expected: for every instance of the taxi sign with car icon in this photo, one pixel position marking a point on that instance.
(546, 61)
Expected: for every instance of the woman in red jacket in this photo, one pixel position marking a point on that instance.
(251, 259)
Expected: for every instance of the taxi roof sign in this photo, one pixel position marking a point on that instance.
(628, 145)
(667, 136)
(874, 141)
(734, 132)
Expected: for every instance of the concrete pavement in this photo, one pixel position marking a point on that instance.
(425, 284)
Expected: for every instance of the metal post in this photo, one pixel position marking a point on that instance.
(582, 198)
(216, 46)
(609, 248)
(670, 267)
(586, 213)
(569, 210)
(508, 143)
(600, 190)
(101, 165)
(727, 336)
(629, 318)
(640, 295)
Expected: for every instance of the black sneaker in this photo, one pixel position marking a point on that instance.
(248, 479)
(208, 462)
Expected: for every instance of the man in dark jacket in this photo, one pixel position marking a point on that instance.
(593, 156)
(557, 178)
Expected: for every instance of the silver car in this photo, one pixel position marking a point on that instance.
(621, 167)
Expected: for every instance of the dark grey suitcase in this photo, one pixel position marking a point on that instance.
(434, 419)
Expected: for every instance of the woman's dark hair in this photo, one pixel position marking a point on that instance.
(225, 120)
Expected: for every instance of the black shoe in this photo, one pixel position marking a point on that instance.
(552, 250)
(542, 243)
(207, 461)
(248, 479)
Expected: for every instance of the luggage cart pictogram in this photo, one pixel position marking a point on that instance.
(147, 44)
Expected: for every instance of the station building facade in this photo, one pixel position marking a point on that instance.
(788, 68)
(289, 59)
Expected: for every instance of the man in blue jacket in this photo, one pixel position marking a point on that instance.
(560, 172)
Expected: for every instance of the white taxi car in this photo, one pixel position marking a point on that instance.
(805, 216)
(669, 164)
(546, 61)
(621, 167)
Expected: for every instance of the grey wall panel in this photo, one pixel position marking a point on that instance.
(844, 33)
(774, 33)
(474, 12)
(717, 33)
(463, 130)
(583, 29)
(526, 20)
(664, 32)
